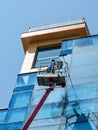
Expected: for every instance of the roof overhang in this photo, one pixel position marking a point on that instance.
(75, 30)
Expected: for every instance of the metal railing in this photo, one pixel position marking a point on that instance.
(56, 24)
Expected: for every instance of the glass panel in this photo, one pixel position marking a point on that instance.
(80, 42)
(67, 44)
(26, 79)
(77, 126)
(69, 123)
(46, 53)
(72, 109)
(47, 111)
(85, 58)
(83, 91)
(85, 80)
(85, 49)
(80, 107)
(83, 42)
(25, 88)
(94, 124)
(89, 105)
(93, 116)
(94, 39)
(84, 71)
(55, 96)
(16, 115)
(20, 100)
(68, 119)
(66, 52)
(11, 126)
(2, 115)
(81, 126)
(56, 24)
(43, 122)
(54, 127)
(44, 63)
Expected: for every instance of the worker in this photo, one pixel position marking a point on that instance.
(52, 67)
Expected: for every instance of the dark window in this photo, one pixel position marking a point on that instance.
(44, 55)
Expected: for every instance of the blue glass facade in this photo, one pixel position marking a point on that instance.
(74, 107)
(14, 117)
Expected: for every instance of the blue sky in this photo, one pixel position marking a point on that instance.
(15, 18)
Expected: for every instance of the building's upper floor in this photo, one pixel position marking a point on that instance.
(47, 36)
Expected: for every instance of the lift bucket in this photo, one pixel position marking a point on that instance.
(44, 80)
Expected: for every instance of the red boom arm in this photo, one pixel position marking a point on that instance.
(28, 122)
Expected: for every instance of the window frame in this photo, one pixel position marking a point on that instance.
(40, 48)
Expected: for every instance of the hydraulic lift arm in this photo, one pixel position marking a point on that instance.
(31, 118)
(51, 80)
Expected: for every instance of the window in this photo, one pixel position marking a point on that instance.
(44, 55)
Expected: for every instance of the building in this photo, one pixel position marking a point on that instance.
(73, 107)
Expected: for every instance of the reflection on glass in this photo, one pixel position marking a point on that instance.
(95, 39)
(77, 126)
(83, 91)
(26, 79)
(55, 96)
(11, 126)
(24, 88)
(83, 42)
(68, 44)
(2, 115)
(46, 53)
(44, 122)
(86, 58)
(83, 125)
(54, 127)
(20, 100)
(72, 109)
(66, 52)
(80, 42)
(49, 111)
(16, 115)
(84, 71)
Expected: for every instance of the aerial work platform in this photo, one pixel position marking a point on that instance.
(45, 79)
(52, 75)
(50, 79)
